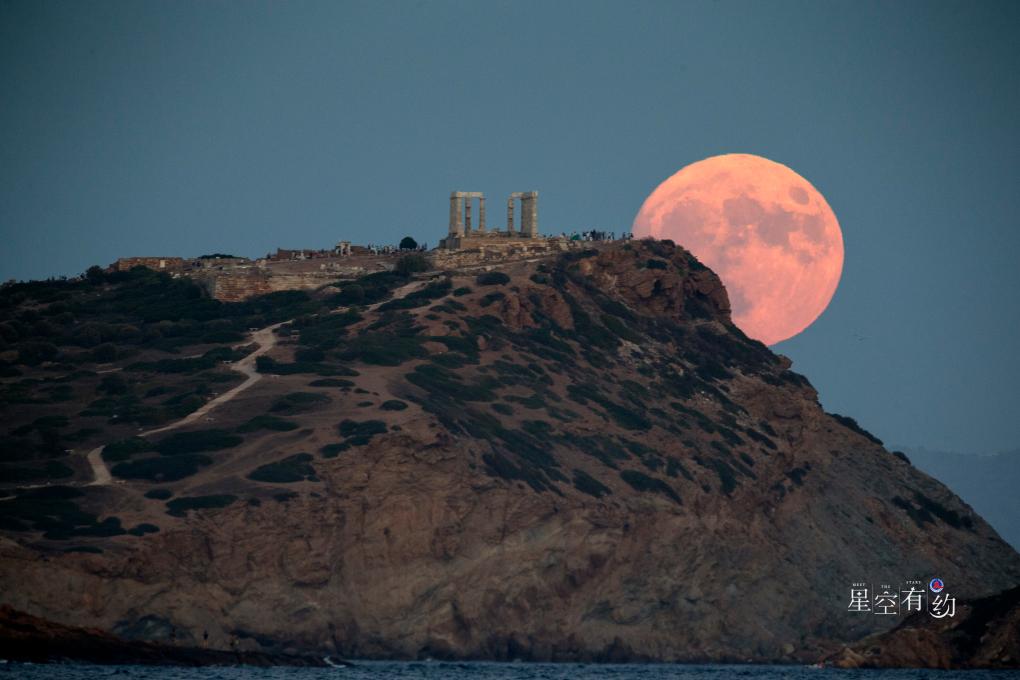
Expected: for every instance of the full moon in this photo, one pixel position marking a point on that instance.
(765, 230)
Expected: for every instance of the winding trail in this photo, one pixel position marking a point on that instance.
(265, 338)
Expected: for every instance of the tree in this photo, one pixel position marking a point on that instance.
(95, 274)
(409, 264)
(408, 243)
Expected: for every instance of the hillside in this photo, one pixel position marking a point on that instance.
(987, 482)
(577, 457)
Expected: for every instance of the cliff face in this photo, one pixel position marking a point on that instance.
(576, 458)
(985, 633)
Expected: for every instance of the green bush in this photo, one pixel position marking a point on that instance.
(268, 422)
(159, 494)
(309, 354)
(850, 423)
(492, 279)
(463, 290)
(411, 264)
(159, 469)
(393, 405)
(446, 384)
(331, 382)
(490, 298)
(383, 349)
(296, 468)
(179, 507)
(198, 440)
(587, 484)
(143, 528)
(53, 511)
(366, 428)
(351, 294)
(50, 470)
(639, 481)
(122, 450)
(299, 402)
(656, 264)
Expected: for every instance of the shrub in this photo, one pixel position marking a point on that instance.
(309, 354)
(639, 481)
(268, 422)
(902, 456)
(446, 384)
(408, 243)
(104, 353)
(113, 383)
(296, 468)
(656, 264)
(159, 494)
(412, 263)
(850, 423)
(333, 450)
(352, 294)
(463, 290)
(490, 298)
(143, 528)
(122, 450)
(366, 428)
(198, 440)
(33, 353)
(621, 329)
(587, 484)
(331, 382)
(299, 402)
(179, 507)
(29, 473)
(162, 469)
(492, 279)
(393, 405)
(383, 349)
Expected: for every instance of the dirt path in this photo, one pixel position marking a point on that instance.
(100, 473)
(265, 338)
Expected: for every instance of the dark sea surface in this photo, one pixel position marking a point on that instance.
(482, 671)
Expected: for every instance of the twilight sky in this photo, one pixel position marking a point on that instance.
(181, 128)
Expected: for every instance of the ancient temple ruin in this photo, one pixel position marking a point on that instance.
(462, 235)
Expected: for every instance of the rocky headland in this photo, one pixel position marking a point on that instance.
(575, 457)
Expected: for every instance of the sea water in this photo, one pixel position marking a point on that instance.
(479, 671)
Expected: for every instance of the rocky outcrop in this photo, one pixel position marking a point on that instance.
(984, 633)
(29, 638)
(583, 460)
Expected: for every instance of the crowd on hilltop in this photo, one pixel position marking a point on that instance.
(376, 249)
(597, 235)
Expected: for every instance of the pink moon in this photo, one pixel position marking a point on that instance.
(765, 230)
